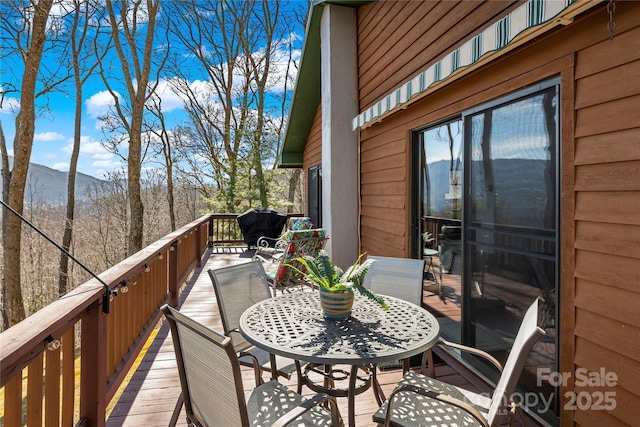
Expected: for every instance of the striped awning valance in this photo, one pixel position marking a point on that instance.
(522, 24)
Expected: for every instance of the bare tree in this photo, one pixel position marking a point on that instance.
(299, 16)
(5, 186)
(166, 152)
(83, 66)
(239, 45)
(107, 211)
(34, 30)
(133, 29)
(266, 16)
(209, 31)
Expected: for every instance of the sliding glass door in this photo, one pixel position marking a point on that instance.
(489, 193)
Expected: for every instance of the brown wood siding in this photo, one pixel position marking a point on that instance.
(600, 152)
(312, 155)
(384, 194)
(313, 149)
(396, 40)
(607, 220)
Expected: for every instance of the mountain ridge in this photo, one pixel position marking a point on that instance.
(50, 185)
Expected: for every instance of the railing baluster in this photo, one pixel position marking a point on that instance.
(93, 393)
(34, 392)
(52, 388)
(68, 376)
(13, 402)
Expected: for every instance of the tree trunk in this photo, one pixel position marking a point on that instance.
(136, 208)
(6, 177)
(136, 68)
(170, 197)
(63, 272)
(22, 146)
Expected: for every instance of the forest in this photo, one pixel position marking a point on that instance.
(230, 66)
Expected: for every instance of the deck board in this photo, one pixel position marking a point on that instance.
(149, 397)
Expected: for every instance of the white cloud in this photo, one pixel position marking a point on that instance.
(61, 166)
(102, 156)
(48, 136)
(50, 156)
(9, 105)
(170, 99)
(279, 64)
(94, 149)
(106, 164)
(98, 105)
(89, 147)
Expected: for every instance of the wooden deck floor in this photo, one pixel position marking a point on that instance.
(151, 393)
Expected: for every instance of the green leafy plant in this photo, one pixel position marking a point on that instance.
(322, 272)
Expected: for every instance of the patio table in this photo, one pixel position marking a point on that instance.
(293, 325)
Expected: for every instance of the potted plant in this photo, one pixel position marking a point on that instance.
(336, 286)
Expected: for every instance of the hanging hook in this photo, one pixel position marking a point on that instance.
(611, 25)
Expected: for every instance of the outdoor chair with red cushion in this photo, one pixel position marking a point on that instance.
(270, 246)
(295, 243)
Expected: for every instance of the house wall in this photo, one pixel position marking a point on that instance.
(600, 152)
(396, 40)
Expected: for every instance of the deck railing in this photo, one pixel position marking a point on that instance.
(40, 357)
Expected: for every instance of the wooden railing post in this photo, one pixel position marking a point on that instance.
(93, 382)
(211, 231)
(198, 240)
(173, 275)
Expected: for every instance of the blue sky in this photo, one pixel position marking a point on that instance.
(54, 130)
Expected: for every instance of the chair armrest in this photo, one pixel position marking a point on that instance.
(257, 369)
(471, 350)
(437, 396)
(265, 242)
(308, 405)
(274, 248)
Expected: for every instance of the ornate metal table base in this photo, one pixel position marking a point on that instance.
(357, 383)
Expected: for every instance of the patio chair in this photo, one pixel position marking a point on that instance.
(237, 288)
(396, 277)
(297, 243)
(399, 278)
(419, 400)
(213, 392)
(428, 252)
(272, 247)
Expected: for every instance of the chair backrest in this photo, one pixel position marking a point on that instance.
(209, 371)
(396, 277)
(528, 334)
(299, 223)
(299, 243)
(237, 288)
